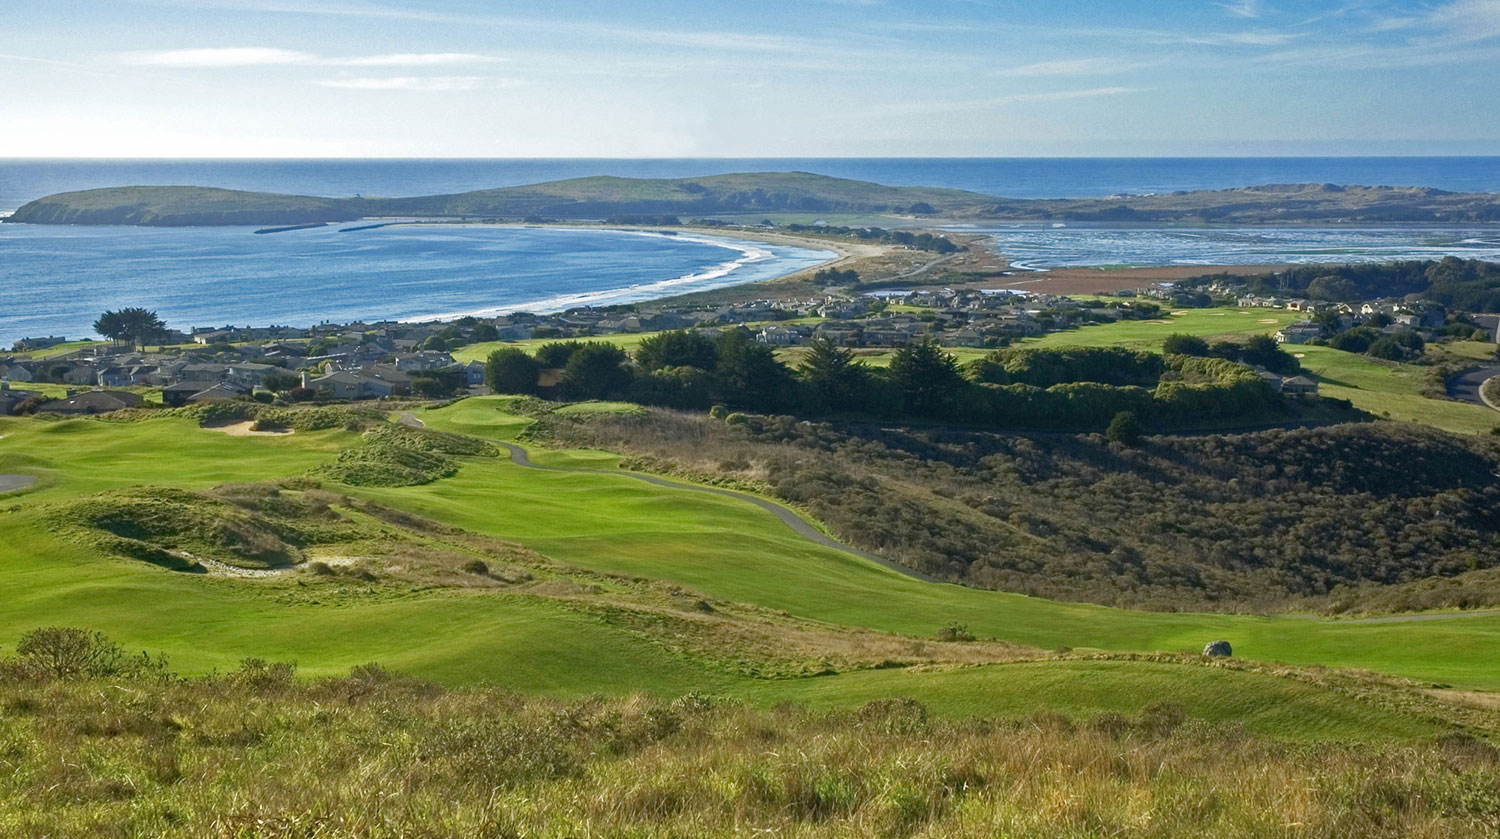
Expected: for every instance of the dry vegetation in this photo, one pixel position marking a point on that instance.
(131, 751)
(1261, 520)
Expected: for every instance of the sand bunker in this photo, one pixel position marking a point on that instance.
(1178, 314)
(1267, 320)
(242, 429)
(10, 483)
(1159, 321)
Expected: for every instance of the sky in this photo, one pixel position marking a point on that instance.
(768, 78)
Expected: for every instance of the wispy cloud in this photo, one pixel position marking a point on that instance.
(993, 102)
(1073, 67)
(1243, 8)
(419, 83)
(267, 56)
(216, 57)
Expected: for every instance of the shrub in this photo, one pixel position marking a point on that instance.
(62, 652)
(476, 567)
(1124, 429)
(955, 632)
(511, 370)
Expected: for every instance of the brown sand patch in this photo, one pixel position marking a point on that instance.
(243, 429)
(1267, 320)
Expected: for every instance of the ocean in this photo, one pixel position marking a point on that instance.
(55, 280)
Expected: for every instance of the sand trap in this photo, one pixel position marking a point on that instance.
(1299, 355)
(1160, 321)
(10, 483)
(1267, 320)
(242, 429)
(1216, 314)
(1178, 314)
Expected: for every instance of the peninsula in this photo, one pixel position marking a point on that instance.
(599, 198)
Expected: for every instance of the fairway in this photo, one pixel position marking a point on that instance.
(726, 548)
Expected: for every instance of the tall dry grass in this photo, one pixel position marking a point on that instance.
(258, 754)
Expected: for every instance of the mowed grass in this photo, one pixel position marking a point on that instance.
(1390, 389)
(1149, 334)
(721, 546)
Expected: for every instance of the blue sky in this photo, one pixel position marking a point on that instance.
(670, 78)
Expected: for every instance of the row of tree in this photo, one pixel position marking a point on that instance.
(1075, 388)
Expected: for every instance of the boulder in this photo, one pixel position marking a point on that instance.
(1218, 649)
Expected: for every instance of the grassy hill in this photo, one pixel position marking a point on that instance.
(578, 198)
(762, 192)
(178, 206)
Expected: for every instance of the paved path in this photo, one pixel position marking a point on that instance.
(1466, 387)
(798, 525)
(10, 483)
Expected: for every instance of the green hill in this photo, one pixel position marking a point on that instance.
(578, 198)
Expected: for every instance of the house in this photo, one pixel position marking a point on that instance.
(474, 374)
(221, 392)
(1272, 380)
(1491, 326)
(780, 336)
(378, 382)
(114, 377)
(177, 395)
(1299, 386)
(1299, 333)
(91, 402)
(964, 338)
(9, 399)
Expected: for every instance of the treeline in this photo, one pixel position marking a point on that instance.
(919, 241)
(1469, 284)
(1248, 522)
(1075, 388)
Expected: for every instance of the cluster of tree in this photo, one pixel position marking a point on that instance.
(1398, 346)
(918, 241)
(1067, 389)
(1203, 521)
(1469, 284)
(836, 276)
(135, 325)
(1259, 351)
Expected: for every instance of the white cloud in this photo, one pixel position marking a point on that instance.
(417, 83)
(1243, 8)
(217, 57)
(264, 56)
(1074, 67)
(412, 59)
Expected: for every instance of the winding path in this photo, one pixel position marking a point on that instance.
(799, 525)
(1467, 387)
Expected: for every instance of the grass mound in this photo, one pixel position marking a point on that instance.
(399, 455)
(265, 417)
(255, 752)
(245, 526)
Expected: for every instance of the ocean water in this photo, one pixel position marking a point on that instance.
(24, 180)
(1037, 247)
(56, 280)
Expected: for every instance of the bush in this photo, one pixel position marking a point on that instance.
(62, 652)
(955, 632)
(1124, 429)
(511, 370)
(1178, 344)
(476, 567)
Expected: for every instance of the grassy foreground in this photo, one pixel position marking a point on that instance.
(256, 753)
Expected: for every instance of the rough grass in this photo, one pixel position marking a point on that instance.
(399, 455)
(256, 754)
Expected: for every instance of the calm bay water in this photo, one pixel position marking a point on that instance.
(56, 280)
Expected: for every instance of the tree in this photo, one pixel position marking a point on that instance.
(749, 375)
(596, 371)
(1179, 344)
(280, 382)
(1124, 429)
(511, 370)
(837, 380)
(677, 349)
(137, 325)
(485, 332)
(926, 377)
(1263, 350)
(556, 354)
(1332, 287)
